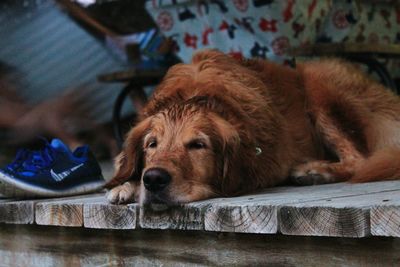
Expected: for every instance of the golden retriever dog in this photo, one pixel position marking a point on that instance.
(224, 127)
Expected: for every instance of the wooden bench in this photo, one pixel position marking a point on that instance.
(337, 224)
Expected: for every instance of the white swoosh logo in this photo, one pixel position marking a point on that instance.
(62, 175)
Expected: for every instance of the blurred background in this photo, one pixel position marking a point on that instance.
(51, 55)
(80, 70)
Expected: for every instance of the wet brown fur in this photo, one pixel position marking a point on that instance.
(322, 122)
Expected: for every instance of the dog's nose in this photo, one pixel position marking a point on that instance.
(156, 179)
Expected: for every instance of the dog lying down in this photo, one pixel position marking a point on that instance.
(224, 127)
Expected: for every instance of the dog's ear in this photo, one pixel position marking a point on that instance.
(129, 163)
(231, 172)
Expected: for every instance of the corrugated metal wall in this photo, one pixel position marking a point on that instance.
(51, 53)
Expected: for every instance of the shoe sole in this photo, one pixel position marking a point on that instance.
(12, 188)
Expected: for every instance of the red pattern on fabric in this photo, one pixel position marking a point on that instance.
(279, 45)
(190, 40)
(165, 21)
(246, 22)
(268, 25)
(224, 26)
(236, 54)
(241, 5)
(205, 34)
(311, 8)
(288, 11)
(339, 19)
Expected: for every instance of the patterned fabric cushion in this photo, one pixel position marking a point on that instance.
(264, 28)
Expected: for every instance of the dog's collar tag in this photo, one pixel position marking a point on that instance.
(258, 151)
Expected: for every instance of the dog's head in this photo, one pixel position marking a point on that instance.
(180, 154)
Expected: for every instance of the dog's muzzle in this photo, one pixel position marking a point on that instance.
(156, 180)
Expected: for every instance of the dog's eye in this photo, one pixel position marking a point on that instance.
(196, 145)
(152, 144)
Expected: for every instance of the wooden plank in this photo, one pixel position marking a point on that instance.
(259, 213)
(248, 214)
(184, 217)
(65, 211)
(42, 246)
(336, 216)
(17, 212)
(106, 216)
(327, 221)
(63, 214)
(385, 218)
(21, 211)
(3, 200)
(242, 219)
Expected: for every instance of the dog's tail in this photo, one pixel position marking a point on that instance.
(381, 165)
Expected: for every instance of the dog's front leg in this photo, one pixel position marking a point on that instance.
(125, 193)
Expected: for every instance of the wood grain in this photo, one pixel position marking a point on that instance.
(385, 218)
(245, 219)
(324, 221)
(17, 212)
(62, 214)
(65, 211)
(185, 217)
(336, 216)
(259, 213)
(341, 210)
(105, 216)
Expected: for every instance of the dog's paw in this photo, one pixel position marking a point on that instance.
(311, 179)
(312, 173)
(121, 194)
